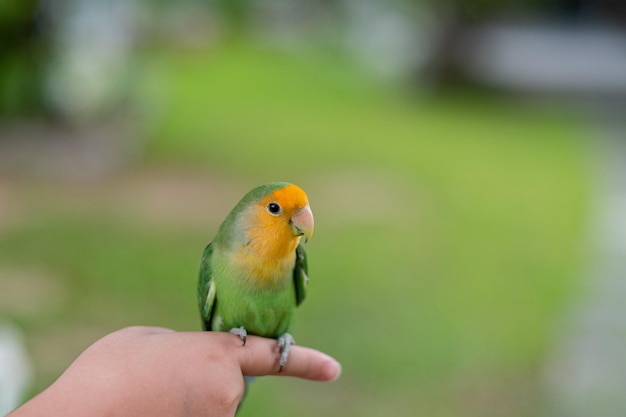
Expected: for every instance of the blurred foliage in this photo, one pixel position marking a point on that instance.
(449, 230)
(21, 58)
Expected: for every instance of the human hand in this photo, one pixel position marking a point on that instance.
(154, 371)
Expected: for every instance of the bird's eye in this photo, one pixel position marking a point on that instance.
(273, 208)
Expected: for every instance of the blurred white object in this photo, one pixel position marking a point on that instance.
(548, 57)
(92, 41)
(392, 38)
(15, 368)
(585, 373)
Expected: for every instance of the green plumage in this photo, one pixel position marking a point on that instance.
(230, 296)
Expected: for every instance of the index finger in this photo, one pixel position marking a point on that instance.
(260, 357)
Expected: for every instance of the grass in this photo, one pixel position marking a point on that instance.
(449, 231)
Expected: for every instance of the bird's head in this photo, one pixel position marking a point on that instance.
(284, 212)
(270, 221)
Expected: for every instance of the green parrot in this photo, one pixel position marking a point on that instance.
(254, 273)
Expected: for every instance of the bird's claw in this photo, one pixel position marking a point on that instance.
(284, 344)
(241, 332)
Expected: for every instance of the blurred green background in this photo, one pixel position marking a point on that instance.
(451, 221)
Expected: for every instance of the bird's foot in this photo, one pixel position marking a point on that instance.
(241, 332)
(284, 344)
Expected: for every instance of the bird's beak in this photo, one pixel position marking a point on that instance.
(302, 223)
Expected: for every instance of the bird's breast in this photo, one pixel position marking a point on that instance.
(264, 271)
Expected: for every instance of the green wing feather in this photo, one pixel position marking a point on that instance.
(300, 277)
(206, 288)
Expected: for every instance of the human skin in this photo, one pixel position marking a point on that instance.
(155, 371)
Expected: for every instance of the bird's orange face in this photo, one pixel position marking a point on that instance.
(281, 219)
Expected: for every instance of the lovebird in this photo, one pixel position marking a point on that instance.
(253, 274)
